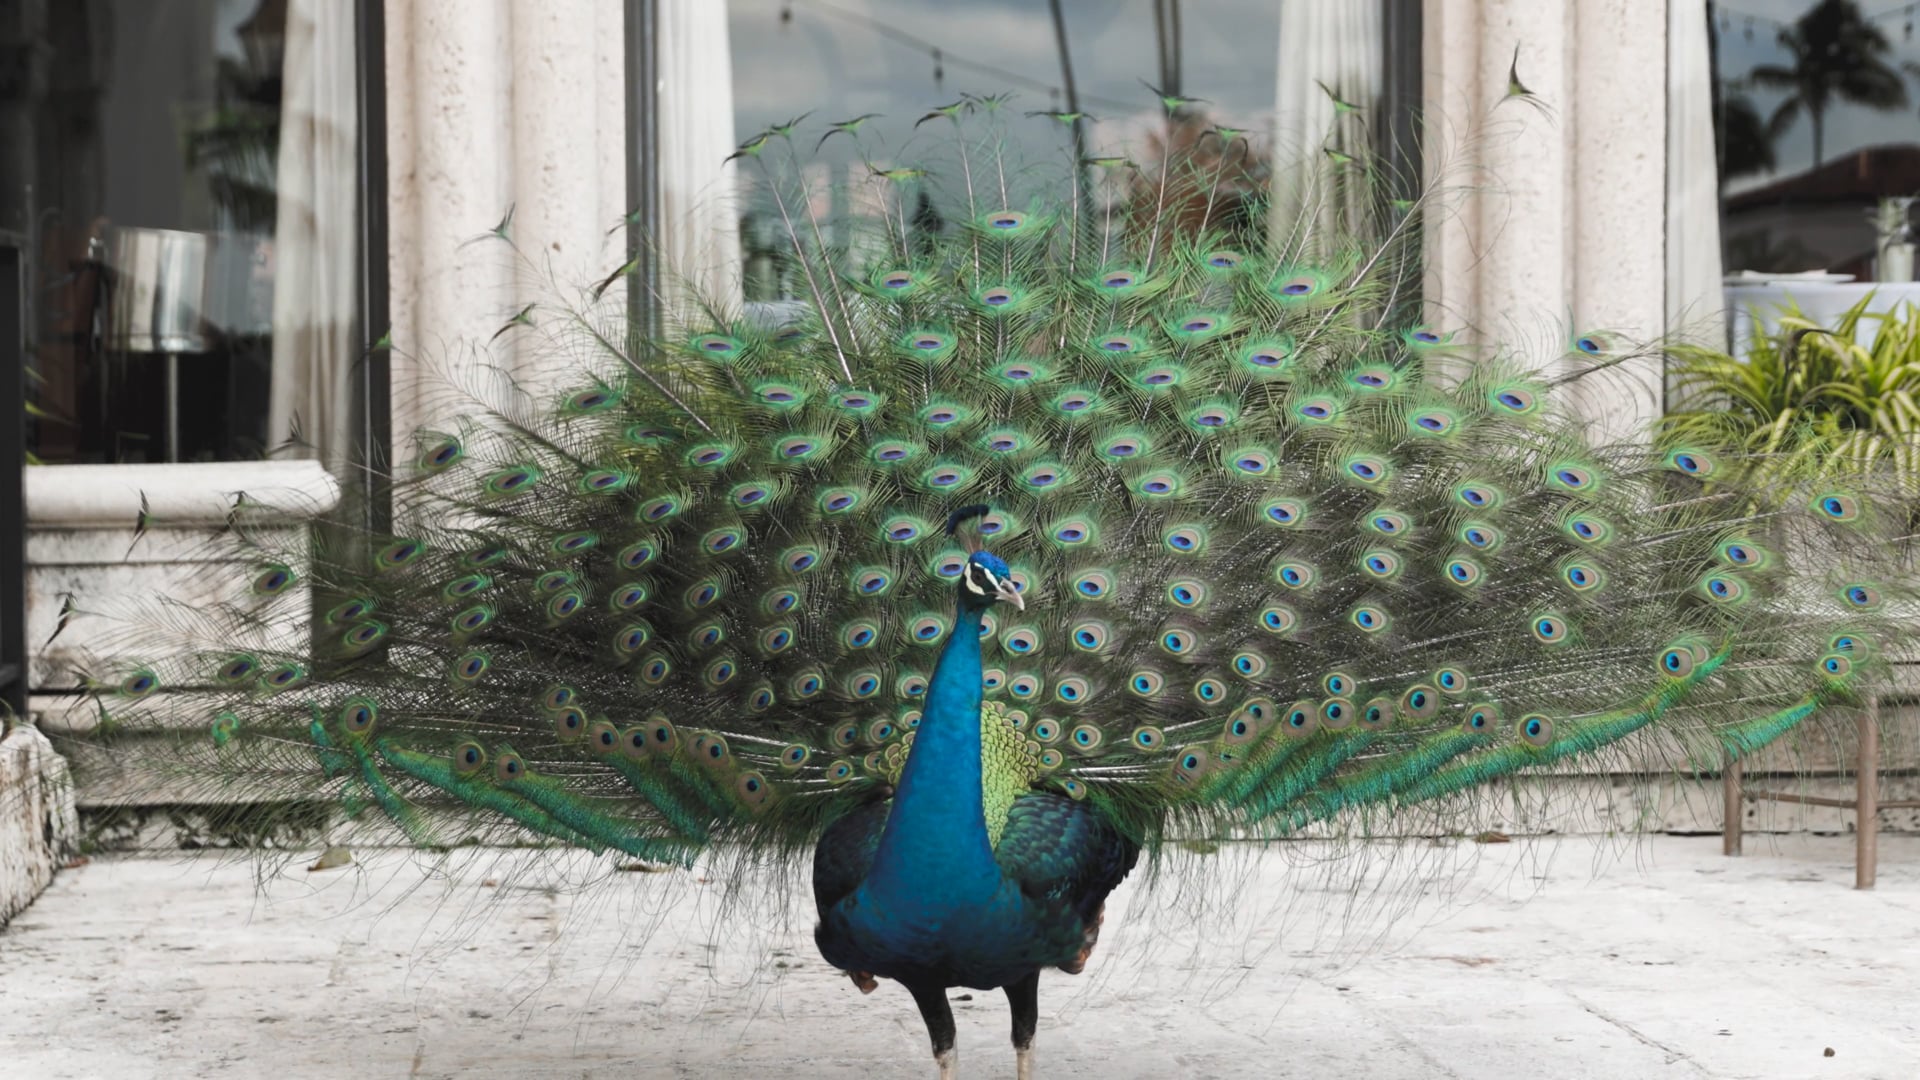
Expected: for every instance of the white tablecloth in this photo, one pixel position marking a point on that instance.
(1822, 302)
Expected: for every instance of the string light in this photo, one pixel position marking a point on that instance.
(1727, 12)
(941, 57)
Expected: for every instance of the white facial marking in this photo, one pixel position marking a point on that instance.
(991, 585)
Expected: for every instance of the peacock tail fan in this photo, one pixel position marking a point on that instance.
(1290, 558)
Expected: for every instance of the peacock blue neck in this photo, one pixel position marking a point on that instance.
(935, 847)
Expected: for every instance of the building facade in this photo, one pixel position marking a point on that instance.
(244, 231)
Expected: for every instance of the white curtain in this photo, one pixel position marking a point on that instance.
(1695, 307)
(316, 235)
(1338, 45)
(699, 212)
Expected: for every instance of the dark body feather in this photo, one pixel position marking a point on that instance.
(1062, 856)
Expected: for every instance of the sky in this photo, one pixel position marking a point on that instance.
(831, 58)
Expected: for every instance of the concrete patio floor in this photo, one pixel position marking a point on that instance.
(1571, 958)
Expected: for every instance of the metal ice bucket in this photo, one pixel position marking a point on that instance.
(159, 302)
(177, 293)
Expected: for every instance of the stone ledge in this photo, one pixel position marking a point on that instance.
(37, 822)
(108, 496)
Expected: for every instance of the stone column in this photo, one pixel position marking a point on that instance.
(1556, 220)
(495, 105)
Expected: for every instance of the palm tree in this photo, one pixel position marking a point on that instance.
(1837, 57)
(1745, 147)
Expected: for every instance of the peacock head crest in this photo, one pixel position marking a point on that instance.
(986, 579)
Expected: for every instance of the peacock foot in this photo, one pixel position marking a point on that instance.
(949, 1062)
(864, 980)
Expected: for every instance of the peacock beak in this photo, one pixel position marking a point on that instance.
(1011, 595)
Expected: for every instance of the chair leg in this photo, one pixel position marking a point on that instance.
(1731, 775)
(1867, 798)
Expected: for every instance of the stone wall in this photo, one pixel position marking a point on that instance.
(105, 544)
(37, 823)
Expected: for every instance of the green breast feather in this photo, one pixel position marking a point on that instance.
(1009, 764)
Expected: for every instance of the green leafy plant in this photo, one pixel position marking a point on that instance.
(1807, 400)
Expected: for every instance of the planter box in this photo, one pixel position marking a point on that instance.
(90, 542)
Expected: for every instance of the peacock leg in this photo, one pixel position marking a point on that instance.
(938, 1015)
(1024, 997)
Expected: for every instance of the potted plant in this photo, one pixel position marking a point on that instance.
(1808, 403)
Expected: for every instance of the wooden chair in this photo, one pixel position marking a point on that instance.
(1866, 801)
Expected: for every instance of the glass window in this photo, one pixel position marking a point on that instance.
(847, 58)
(185, 174)
(1817, 135)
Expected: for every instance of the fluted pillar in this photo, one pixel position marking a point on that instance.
(1556, 217)
(492, 105)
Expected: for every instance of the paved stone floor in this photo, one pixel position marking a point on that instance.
(1650, 958)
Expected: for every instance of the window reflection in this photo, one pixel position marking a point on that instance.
(900, 58)
(178, 158)
(1817, 136)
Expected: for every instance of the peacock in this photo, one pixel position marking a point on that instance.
(1087, 514)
